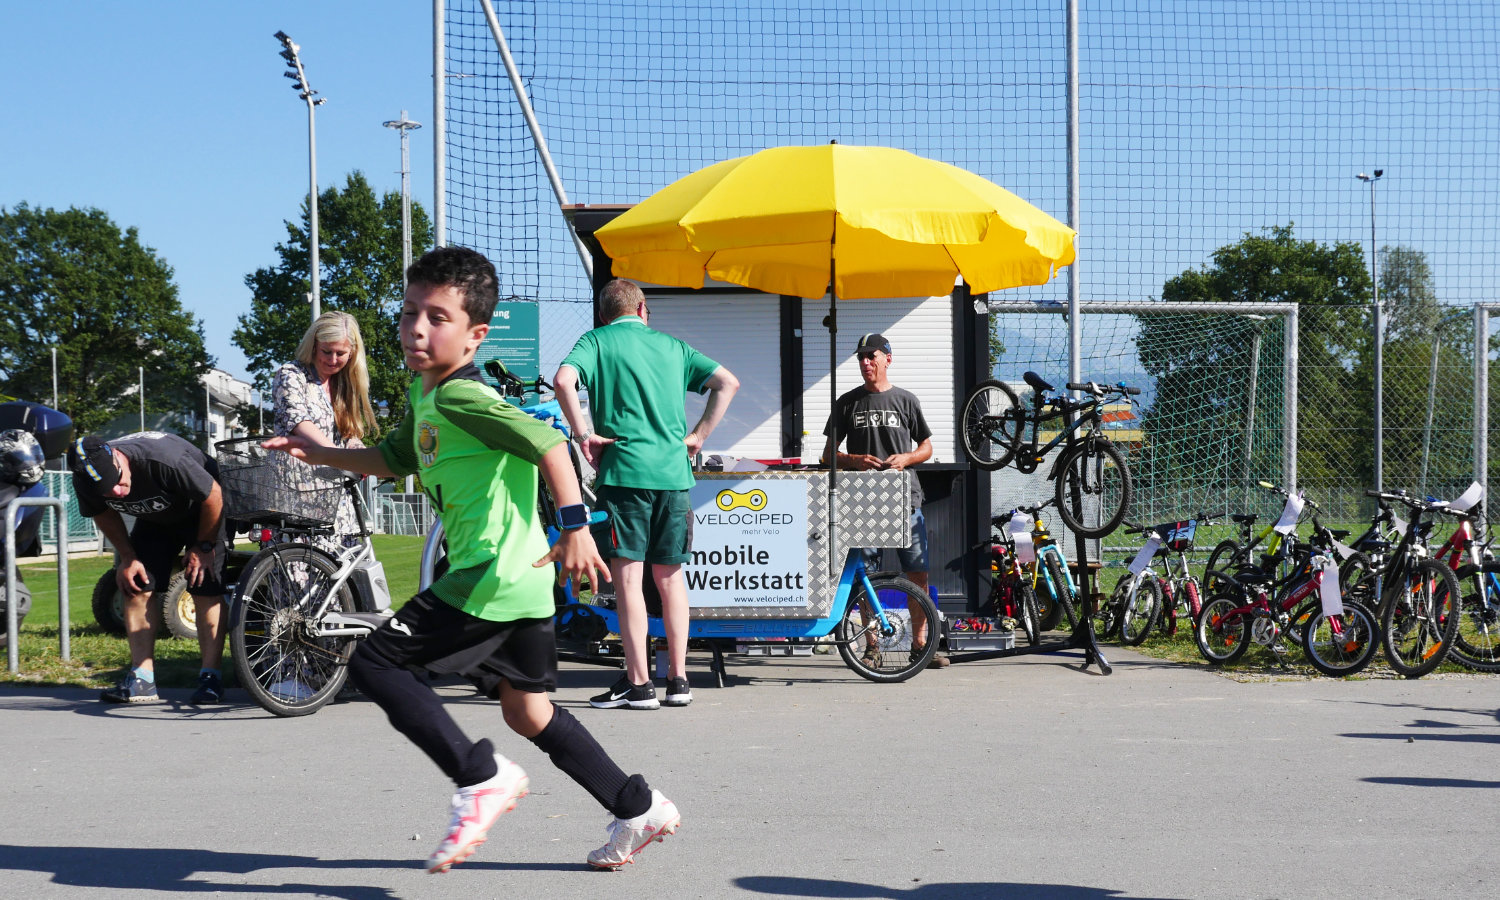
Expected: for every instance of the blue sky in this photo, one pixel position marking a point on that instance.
(173, 117)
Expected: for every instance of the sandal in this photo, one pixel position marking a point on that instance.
(871, 657)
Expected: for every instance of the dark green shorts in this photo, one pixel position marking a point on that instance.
(645, 524)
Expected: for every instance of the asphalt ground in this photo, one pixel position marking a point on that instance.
(1023, 777)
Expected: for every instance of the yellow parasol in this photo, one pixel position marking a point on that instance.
(838, 221)
(881, 222)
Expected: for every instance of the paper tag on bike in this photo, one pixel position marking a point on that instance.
(1328, 589)
(1399, 524)
(1143, 559)
(1020, 533)
(1468, 498)
(1288, 521)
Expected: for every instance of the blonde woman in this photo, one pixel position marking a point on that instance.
(324, 395)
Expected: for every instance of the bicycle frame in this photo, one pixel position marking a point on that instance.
(1074, 414)
(334, 624)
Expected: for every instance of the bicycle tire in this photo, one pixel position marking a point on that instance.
(854, 631)
(1141, 610)
(1031, 616)
(1357, 576)
(1477, 644)
(1221, 634)
(1346, 652)
(990, 424)
(1063, 598)
(1093, 468)
(283, 668)
(1222, 558)
(1419, 622)
(1191, 592)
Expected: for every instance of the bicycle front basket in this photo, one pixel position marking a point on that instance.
(265, 487)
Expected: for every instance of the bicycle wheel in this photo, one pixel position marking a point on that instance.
(1189, 598)
(1341, 645)
(278, 657)
(990, 425)
(1093, 484)
(859, 631)
(1063, 599)
(1221, 633)
(1477, 644)
(1141, 609)
(1357, 576)
(1222, 559)
(1420, 621)
(1031, 616)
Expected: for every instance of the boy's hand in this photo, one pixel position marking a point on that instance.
(579, 558)
(292, 444)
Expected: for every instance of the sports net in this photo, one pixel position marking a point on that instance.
(1208, 131)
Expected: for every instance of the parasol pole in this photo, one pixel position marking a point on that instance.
(834, 563)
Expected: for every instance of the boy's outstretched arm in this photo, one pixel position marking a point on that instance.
(365, 460)
(574, 550)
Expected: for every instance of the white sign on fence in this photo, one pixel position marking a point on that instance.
(749, 543)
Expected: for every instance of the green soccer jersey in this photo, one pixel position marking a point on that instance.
(477, 457)
(637, 380)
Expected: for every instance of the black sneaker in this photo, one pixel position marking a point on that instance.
(623, 693)
(210, 689)
(131, 690)
(678, 692)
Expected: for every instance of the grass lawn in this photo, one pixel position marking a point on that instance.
(98, 657)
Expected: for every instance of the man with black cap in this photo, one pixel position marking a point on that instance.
(885, 429)
(172, 489)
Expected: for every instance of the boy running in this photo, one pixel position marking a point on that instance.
(489, 618)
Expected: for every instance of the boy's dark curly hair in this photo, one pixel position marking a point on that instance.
(464, 269)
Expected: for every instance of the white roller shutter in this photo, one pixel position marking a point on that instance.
(742, 332)
(920, 330)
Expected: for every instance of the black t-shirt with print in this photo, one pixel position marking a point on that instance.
(882, 424)
(169, 478)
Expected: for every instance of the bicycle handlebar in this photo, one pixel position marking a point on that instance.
(1099, 390)
(1409, 501)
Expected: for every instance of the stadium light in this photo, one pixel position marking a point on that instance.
(306, 94)
(405, 125)
(1379, 336)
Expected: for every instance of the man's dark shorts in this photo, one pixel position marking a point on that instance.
(432, 635)
(645, 524)
(159, 547)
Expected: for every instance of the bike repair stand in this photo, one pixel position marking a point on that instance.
(1080, 638)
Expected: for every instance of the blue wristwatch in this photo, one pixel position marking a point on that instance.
(571, 517)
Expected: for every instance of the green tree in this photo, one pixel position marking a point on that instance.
(1417, 327)
(1201, 362)
(360, 258)
(73, 280)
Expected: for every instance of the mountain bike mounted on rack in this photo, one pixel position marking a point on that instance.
(1091, 475)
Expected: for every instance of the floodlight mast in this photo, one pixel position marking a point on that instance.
(405, 125)
(1379, 361)
(289, 52)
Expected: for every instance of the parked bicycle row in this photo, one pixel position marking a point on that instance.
(1387, 589)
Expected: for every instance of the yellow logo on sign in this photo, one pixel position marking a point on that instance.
(752, 500)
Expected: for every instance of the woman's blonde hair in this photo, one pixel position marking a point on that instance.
(352, 413)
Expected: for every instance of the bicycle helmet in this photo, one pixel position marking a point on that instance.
(21, 458)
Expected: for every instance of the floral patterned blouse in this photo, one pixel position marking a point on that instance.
(297, 395)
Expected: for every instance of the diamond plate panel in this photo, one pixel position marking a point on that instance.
(875, 511)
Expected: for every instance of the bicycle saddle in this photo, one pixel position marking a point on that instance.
(1243, 519)
(1036, 381)
(1339, 533)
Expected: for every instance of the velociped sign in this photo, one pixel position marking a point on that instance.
(749, 543)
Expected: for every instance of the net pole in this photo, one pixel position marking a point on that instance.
(440, 128)
(1290, 362)
(1075, 334)
(537, 138)
(1482, 398)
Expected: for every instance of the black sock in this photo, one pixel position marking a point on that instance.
(416, 711)
(573, 750)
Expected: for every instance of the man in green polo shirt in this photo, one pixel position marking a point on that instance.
(640, 444)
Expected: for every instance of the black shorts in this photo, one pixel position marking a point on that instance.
(159, 547)
(429, 634)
